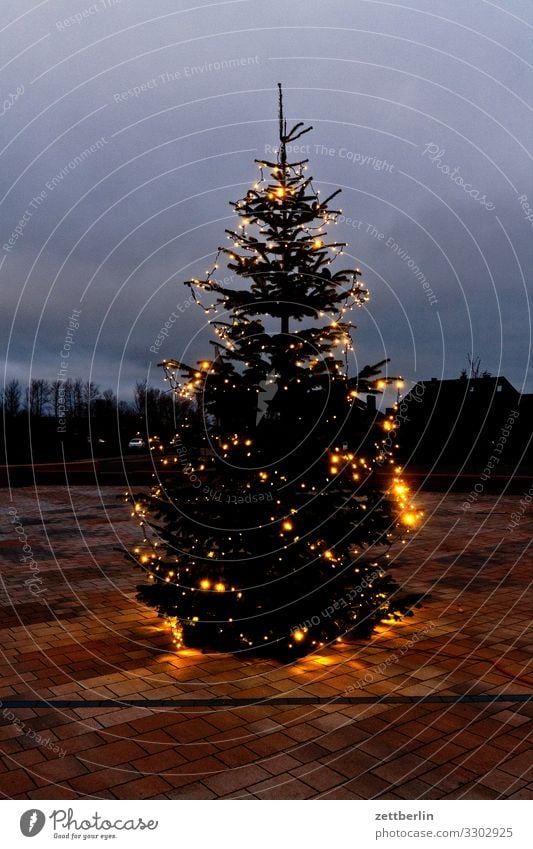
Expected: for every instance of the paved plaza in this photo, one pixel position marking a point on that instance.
(433, 707)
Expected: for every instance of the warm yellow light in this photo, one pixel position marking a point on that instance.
(287, 525)
(298, 636)
(328, 555)
(409, 519)
(334, 470)
(205, 584)
(145, 558)
(353, 393)
(247, 441)
(280, 192)
(220, 587)
(317, 244)
(387, 426)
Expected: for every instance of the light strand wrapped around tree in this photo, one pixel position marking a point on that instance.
(276, 532)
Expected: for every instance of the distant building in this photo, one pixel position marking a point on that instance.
(460, 421)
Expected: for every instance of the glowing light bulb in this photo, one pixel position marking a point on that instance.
(205, 584)
(220, 587)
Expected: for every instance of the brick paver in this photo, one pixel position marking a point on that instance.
(91, 639)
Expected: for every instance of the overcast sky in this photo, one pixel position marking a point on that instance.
(127, 127)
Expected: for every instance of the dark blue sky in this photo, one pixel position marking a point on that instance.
(127, 127)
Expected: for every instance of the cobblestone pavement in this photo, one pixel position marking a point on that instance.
(71, 629)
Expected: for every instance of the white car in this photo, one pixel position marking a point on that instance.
(136, 443)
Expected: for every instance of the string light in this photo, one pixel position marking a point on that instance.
(279, 248)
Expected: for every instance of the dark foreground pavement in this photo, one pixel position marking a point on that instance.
(96, 704)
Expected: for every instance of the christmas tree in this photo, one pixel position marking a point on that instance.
(276, 532)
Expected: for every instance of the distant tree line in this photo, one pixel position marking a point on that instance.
(97, 422)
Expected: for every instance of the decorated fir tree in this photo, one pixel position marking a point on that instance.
(275, 533)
